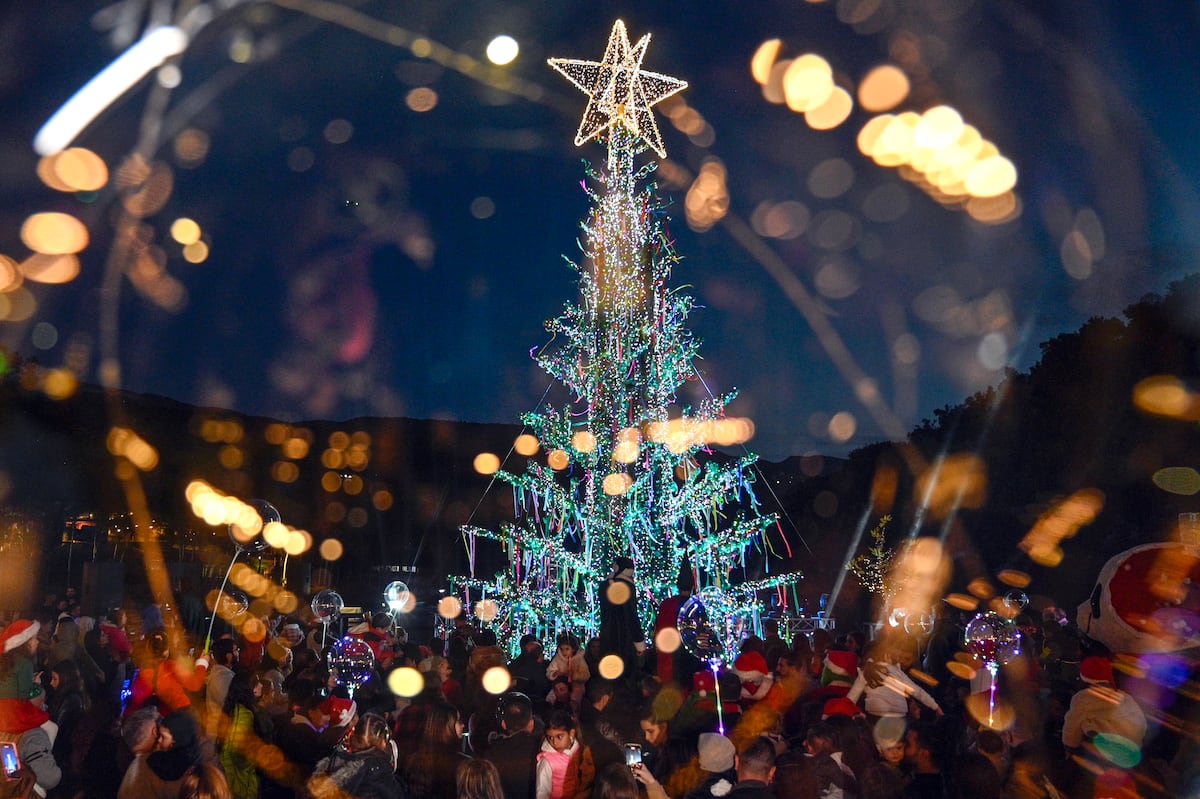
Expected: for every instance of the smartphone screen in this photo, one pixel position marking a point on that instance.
(11, 762)
(633, 755)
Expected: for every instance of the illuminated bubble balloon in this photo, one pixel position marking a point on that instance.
(352, 662)
(919, 625)
(709, 626)
(251, 540)
(1016, 600)
(396, 596)
(232, 603)
(327, 605)
(992, 638)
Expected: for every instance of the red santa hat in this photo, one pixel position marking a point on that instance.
(840, 706)
(1097, 670)
(750, 665)
(703, 681)
(340, 710)
(18, 633)
(841, 666)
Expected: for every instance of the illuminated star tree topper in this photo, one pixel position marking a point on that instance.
(619, 91)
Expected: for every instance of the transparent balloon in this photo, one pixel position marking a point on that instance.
(351, 662)
(396, 596)
(1016, 600)
(251, 541)
(710, 626)
(327, 605)
(992, 638)
(232, 603)
(919, 625)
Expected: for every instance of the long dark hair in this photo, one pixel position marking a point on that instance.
(70, 681)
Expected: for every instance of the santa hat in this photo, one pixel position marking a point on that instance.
(339, 709)
(716, 752)
(750, 665)
(18, 633)
(841, 666)
(703, 681)
(841, 706)
(20, 715)
(1097, 670)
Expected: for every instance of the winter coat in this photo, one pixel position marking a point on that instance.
(361, 775)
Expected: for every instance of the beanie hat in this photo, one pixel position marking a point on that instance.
(1097, 670)
(888, 731)
(716, 752)
(841, 706)
(339, 709)
(18, 633)
(841, 666)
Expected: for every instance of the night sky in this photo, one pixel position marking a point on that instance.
(370, 259)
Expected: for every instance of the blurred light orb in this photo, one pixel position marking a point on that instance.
(486, 610)
(618, 592)
(247, 532)
(502, 50)
(487, 463)
(396, 596)
(42, 268)
(406, 681)
(833, 111)
(763, 59)
(558, 459)
(991, 177)
(331, 549)
(327, 605)
(883, 88)
(611, 667)
(185, 231)
(449, 607)
(54, 233)
(526, 444)
(667, 640)
(807, 83)
(496, 680)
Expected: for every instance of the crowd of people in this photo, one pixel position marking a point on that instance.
(143, 708)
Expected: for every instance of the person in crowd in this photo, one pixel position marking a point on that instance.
(220, 674)
(716, 758)
(565, 768)
(18, 681)
(751, 669)
(668, 618)
(596, 727)
(568, 663)
(528, 668)
(476, 778)
(883, 777)
(238, 736)
(316, 727)
(838, 672)
(486, 654)
(618, 781)
(410, 722)
(924, 754)
(559, 697)
(884, 687)
(755, 771)
(655, 733)
(67, 644)
(1101, 707)
(621, 631)
(68, 706)
(515, 752)
(204, 781)
(162, 680)
(363, 766)
(429, 771)
(164, 748)
(35, 748)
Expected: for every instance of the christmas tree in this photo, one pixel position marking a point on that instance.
(627, 471)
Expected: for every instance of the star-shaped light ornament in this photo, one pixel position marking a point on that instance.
(619, 91)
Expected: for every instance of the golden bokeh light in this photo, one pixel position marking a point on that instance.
(421, 99)
(883, 88)
(618, 592)
(763, 59)
(1014, 578)
(276, 534)
(486, 463)
(54, 233)
(331, 549)
(486, 610)
(406, 681)
(962, 601)
(10, 274)
(832, 112)
(611, 667)
(667, 640)
(617, 483)
(17, 305)
(1166, 395)
(558, 459)
(807, 83)
(991, 177)
(1181, 480)
(191, 147)
(707, 201)
(58, 384)
(496, 680)
(502, 50)
(527, 445)
(382, 499)
(298, 542)
(938, 127)
(185, 231)
(1060, 521)
(46, 173)
(584, 441)
(54, 269)
(449, 607)
(80, 169)
(196, 252)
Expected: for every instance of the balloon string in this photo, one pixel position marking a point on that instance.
(717, 691)
(283, 577)
(220, 592)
